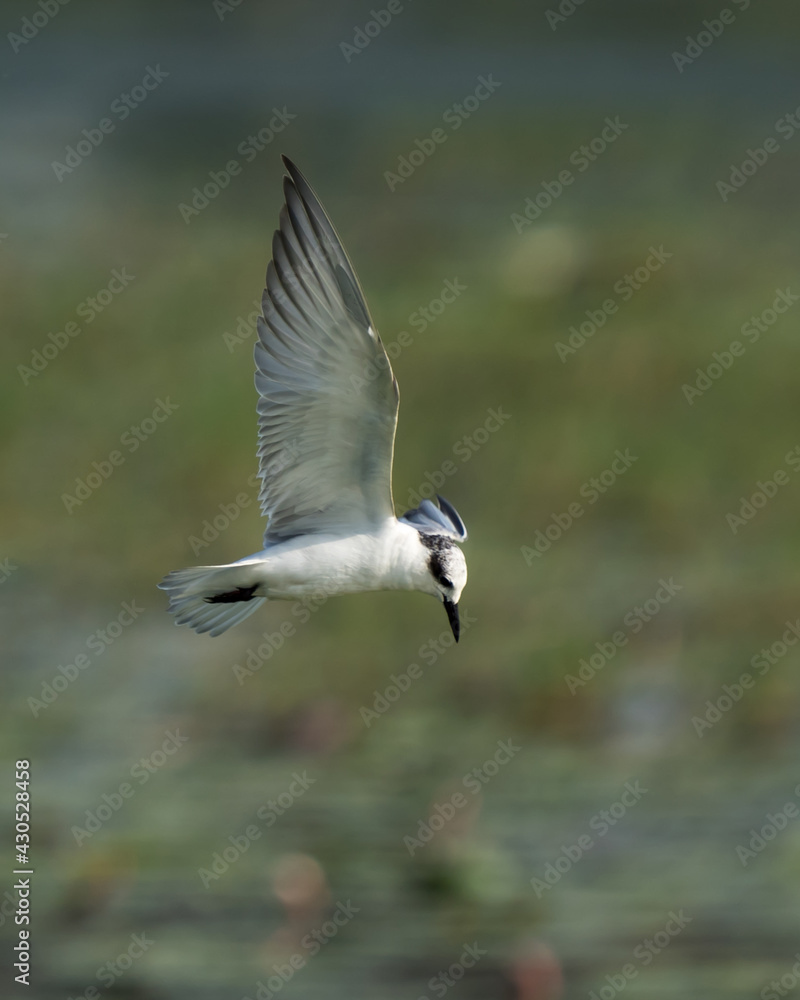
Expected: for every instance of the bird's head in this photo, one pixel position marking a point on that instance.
(440, 529)
(448, 569)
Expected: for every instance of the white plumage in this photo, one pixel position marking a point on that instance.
(327, 410)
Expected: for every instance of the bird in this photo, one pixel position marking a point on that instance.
(327, 415)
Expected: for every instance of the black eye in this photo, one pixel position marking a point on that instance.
(437, 569)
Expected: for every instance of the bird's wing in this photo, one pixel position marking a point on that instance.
(429, 519)
(327, 396)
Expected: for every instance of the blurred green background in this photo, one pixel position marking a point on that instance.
(639, 713)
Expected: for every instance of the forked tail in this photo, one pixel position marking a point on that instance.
(212, 598)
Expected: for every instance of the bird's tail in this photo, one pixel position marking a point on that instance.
(212, 598)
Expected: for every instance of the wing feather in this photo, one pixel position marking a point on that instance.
(327, 396)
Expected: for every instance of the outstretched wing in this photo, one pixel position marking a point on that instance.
(327, 396)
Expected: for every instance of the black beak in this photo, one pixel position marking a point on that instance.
(452, 617)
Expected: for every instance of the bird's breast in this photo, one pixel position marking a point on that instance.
(387, 560)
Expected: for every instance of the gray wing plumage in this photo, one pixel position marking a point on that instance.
(429, 519)
(327, 396)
